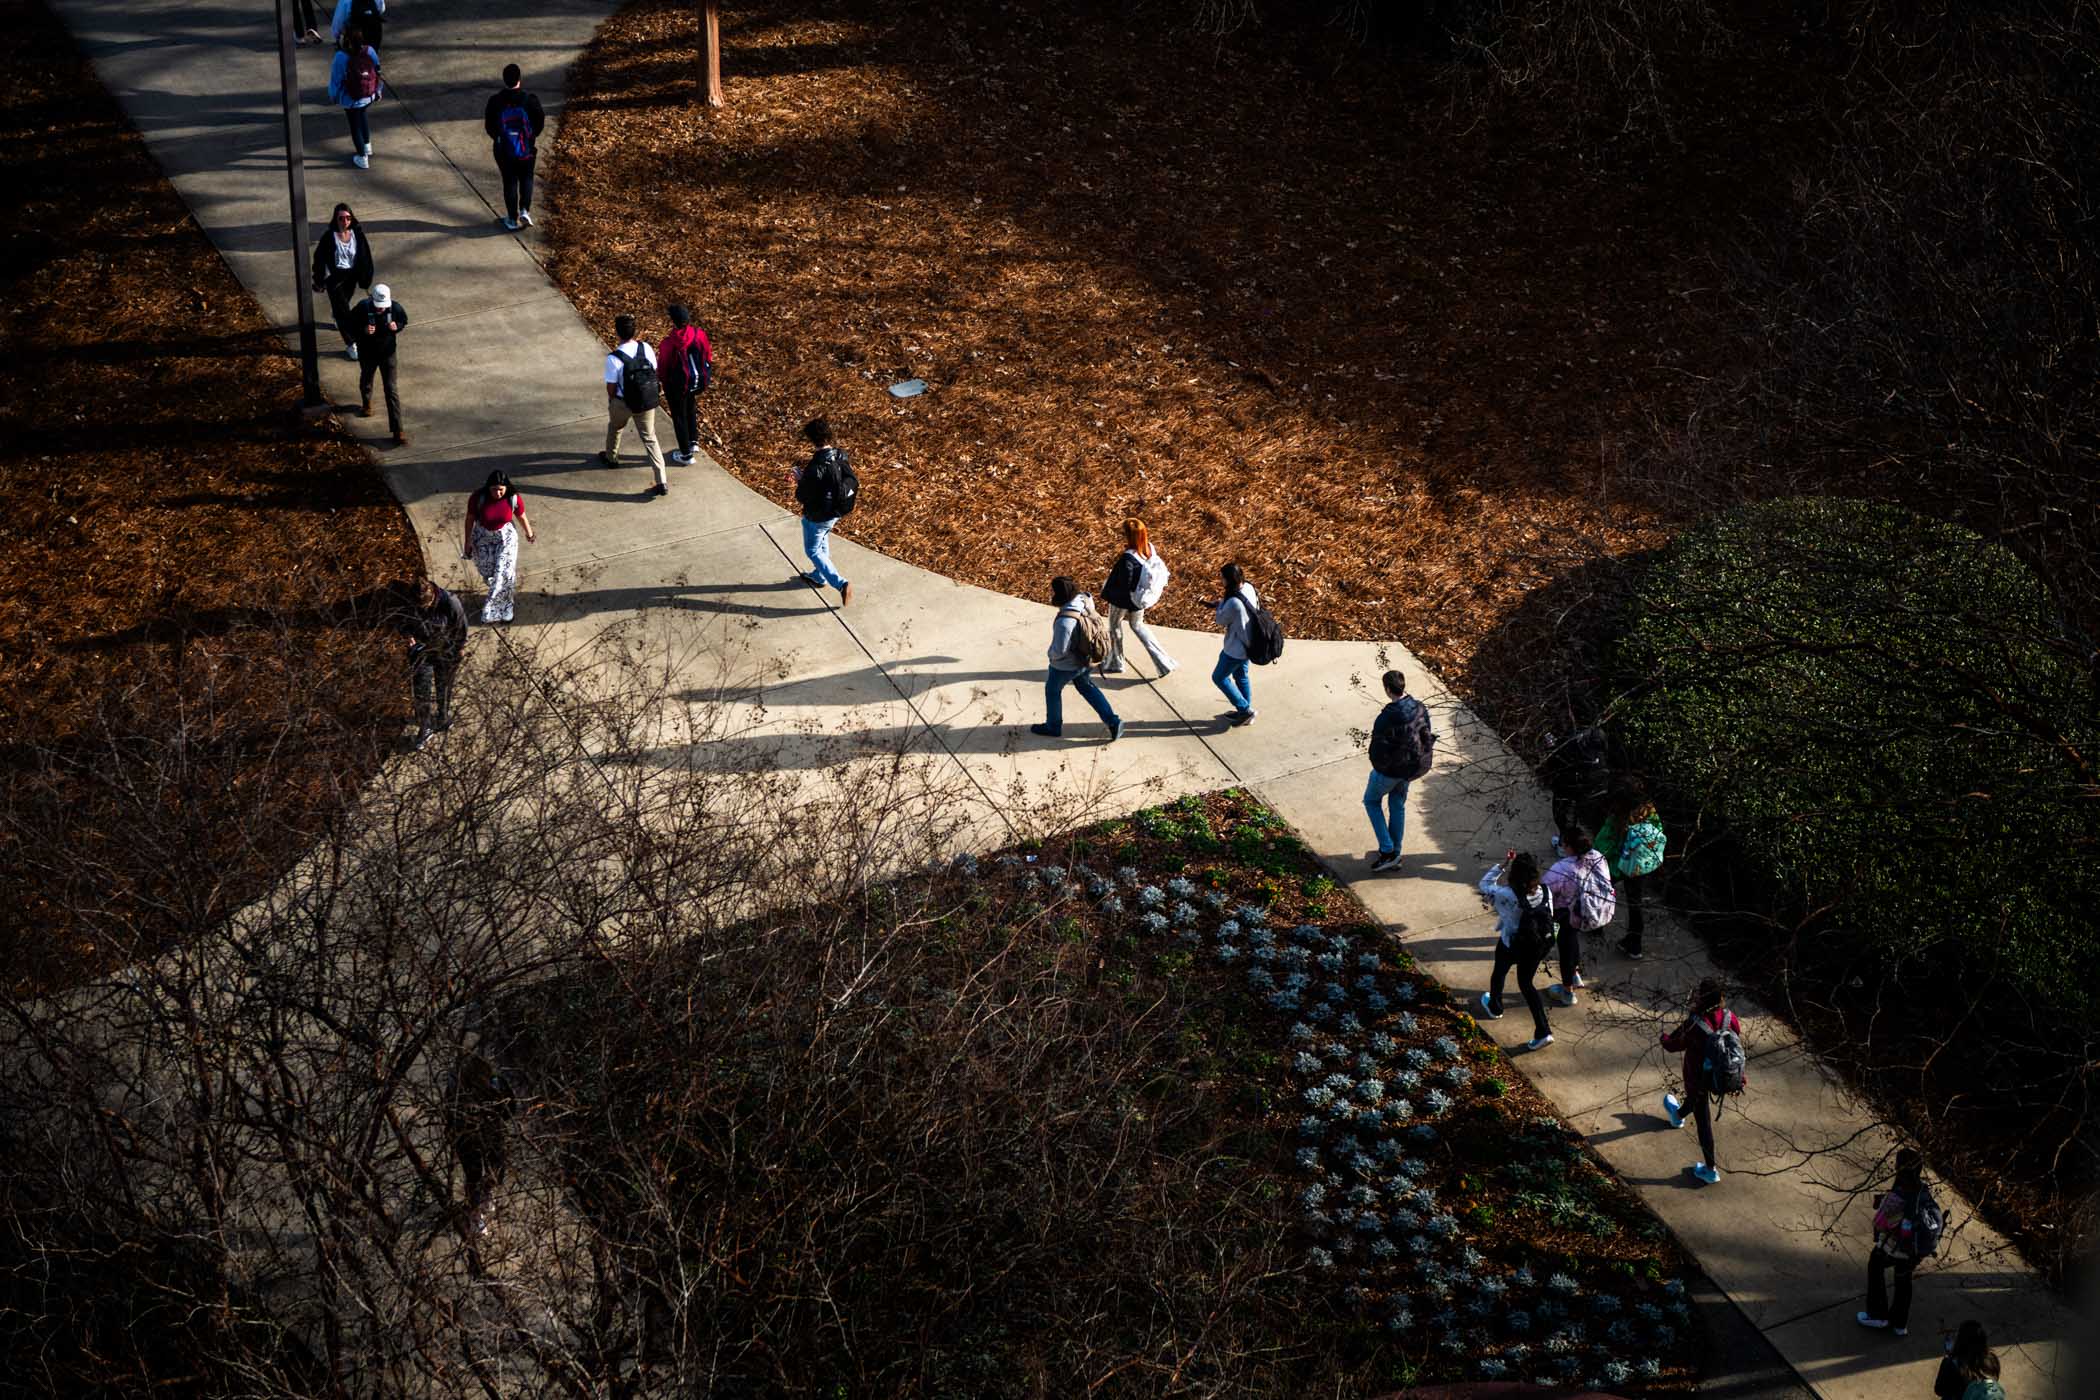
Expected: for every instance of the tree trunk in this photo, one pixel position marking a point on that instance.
(711, 52)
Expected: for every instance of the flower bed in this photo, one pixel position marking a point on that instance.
(1153, 1100)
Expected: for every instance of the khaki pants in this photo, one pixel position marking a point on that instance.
(644, 425)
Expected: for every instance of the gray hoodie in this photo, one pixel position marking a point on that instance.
(1064, 640)
(1233, 615)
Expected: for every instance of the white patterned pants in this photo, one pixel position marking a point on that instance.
(1161, 662)
(496, 558)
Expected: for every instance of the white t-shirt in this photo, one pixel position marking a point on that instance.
(345, 253)
(615, 372)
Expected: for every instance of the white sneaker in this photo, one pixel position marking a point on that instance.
(361, 162)
(1169, 666)
(524, 216)
(1578, 982)
(1675, 1108)
(1541, 1043)
(349, 352)
(368, 148)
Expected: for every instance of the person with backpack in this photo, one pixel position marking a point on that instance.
(632, 392)
(1402, 748)
(1135, 582)
(827, 490)
(1907, 1227)
(1235, 613)
(688, 363)
(364, 17)
(1583, 902)
(374, 325)
(1711, 1040)
(1969, 1370)
(1524, 931)
(436, 627)
(514, 120)
(1078, 643)
(1633, 843)
(354, 85)
(342, 266)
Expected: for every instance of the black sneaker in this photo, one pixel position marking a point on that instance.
(1390, 860)
(1632, 954)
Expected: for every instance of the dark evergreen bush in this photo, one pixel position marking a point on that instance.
(1890, 724)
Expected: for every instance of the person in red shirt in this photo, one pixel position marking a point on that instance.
(495, 514)
(1709, 1017)
(685, 363)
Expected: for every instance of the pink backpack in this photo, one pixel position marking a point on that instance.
(362, 78)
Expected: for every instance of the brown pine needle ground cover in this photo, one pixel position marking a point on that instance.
(1259, 290)
(184, 562)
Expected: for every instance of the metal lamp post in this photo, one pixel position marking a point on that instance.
(295, 172)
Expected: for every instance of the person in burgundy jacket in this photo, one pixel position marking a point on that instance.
(1709, 1017)
(685, 365)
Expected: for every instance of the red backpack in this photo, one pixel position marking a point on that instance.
(362, 79)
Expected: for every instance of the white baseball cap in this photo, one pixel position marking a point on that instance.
(382, 295)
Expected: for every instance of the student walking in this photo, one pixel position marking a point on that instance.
(514, 120)
(688, 367)
(477, 1114)
(495, 514)
(354, 85)
(1078, 642)
(1578, 771)
(1633, 843)
(1235, 613)
(436, 628)
(1402, 748)
(306, 23)
(1969, 1370)
(342, 267)
(375, 324)
(367, 17)
(1135, 583)
(1711, 1039)
(827, 491)
(632, 391)
(1907, 1226)
(1583, 902)
(1524, 928)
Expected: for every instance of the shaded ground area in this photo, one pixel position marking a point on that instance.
(185, 566)
(1281, 307)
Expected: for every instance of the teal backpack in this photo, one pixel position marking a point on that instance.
(1984, 1390)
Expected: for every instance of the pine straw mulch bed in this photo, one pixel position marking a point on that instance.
(1259, 290)
(180, 645)
(1257, 1149)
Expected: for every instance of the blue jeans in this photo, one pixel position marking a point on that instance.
(816, 543)
(1385, 800)
(1230, 676)
(1054, 683)
(360, 128)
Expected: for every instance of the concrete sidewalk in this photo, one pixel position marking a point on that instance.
(499, 371)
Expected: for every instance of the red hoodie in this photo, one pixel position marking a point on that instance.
(1694, 1046)
(670, 353)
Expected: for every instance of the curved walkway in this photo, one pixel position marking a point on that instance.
(499, 371)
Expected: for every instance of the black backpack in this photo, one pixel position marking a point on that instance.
(1727, 1066)
(366, 20)
(640, 389)
(1264, 633)
(1401, 741)
(1927, 1223)
(1534, 934)
(829, 488)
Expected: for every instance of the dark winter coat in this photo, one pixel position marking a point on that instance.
(325, 270)
(1124, 580)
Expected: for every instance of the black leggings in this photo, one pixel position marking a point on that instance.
(1570, 943)
(1631, 890)
(1527, 969)
(1700, 1104)
(517, 184)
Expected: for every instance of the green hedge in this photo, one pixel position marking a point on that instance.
(1886, 716)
